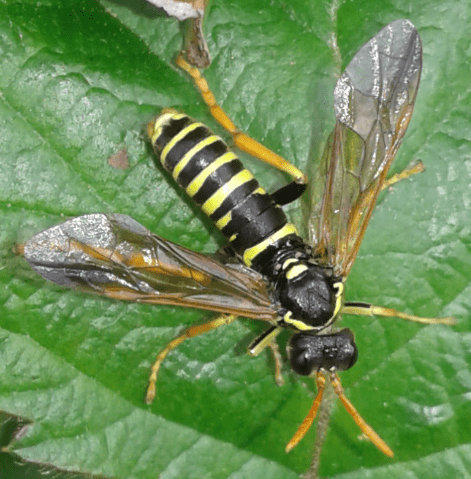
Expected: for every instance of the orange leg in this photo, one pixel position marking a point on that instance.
(189, 333)
(241, 140)
(361, 423)
(311, 415)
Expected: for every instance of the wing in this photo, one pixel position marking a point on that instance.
(115, 256)
(373, 100)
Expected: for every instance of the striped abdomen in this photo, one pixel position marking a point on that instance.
(214, 177)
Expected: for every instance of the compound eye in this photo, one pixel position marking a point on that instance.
(303, 353)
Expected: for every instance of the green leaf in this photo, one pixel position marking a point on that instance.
(80, 80)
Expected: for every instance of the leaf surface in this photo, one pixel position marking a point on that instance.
(80, 80)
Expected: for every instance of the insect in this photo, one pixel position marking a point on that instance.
(272, 274)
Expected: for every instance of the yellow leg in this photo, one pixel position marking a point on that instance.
(273, 345)
(361, 214)
(241, 140)
(417, 167)
(364, 309)
(268, 339)
(189, 333)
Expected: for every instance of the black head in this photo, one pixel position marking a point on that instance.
(309, 353)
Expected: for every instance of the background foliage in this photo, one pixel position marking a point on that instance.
(80, 80)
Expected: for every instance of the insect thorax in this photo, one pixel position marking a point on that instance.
(309, 295)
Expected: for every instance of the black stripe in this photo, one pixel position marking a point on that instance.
(239, 194)
(245, 211)
(185, 144)
(217, 179)
(259, 229)
(169, 130)
(358, 304)
(200, 161)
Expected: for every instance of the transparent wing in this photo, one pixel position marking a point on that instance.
(373, 100)
(115, 256)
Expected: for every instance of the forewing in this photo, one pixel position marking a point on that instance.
(373, 100)
(115, 256)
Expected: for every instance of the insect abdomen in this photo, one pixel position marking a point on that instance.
(216, 180)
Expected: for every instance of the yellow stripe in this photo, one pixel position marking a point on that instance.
(201, 177)
(298, 324)
(177, 138)
(288, 262)
(224, 220)
(250, 253)
(215, 200)
(338, 298)
(296, 271)
(189, 154)
(162, 121)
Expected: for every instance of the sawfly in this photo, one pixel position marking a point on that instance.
(270, 274)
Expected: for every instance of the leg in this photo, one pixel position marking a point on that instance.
(363, 210)
(189, 333)
(311, 415)
(365, 309)
(267, 339)
(288, 193)
(417, 167)
(273, 345)
(241, 140)
(361, 423)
